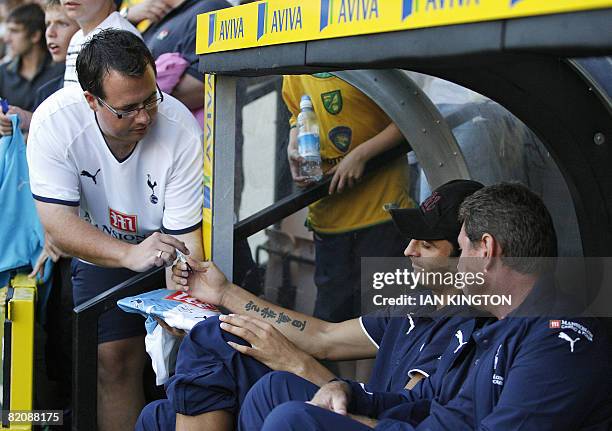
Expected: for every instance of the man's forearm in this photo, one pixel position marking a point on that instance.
(302, 330)
(312, 370)
(190, 91)
(374, 403)
(78, 238)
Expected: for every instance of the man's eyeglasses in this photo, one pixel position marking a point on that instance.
(148, 105)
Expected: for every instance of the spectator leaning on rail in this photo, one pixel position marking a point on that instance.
(212, 377)
(513, 371)
(30, 68)
(110, 167)
(92, 16)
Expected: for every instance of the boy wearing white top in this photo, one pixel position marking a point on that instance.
(111, 167)
(92, 16)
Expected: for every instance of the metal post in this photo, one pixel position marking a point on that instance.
(223, 174)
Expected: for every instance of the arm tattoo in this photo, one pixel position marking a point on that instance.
(281, 318)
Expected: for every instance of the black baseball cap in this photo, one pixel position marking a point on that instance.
(438, 216)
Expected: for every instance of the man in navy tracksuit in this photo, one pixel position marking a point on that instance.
(218, 364)
(527, 368)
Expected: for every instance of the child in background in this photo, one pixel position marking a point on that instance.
(60, 29)
(92, 16)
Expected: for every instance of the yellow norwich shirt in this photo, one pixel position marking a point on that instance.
(347, 118)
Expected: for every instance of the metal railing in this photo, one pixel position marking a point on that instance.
(302, 198)
(85, 344)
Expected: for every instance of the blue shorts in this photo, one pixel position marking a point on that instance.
(277, 402)
(210, 376)
(88, 281)
(272, 390)
(299, 416)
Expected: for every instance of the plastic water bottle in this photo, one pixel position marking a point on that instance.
(309, 147)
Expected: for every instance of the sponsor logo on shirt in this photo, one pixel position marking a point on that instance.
(412, 325)
(497, 380)
(574, 326)
(569, 339)
(341, 137)
(124, 222)
(128, 237)
(459, 336)
(85, 173)
(184, 297)
(162, 34)
(496, 357)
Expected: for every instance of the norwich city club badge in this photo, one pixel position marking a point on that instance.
(332, 102)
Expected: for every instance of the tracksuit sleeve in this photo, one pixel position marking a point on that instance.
(373, 404)
(549, 403)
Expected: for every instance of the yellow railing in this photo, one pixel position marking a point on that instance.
(21, 312)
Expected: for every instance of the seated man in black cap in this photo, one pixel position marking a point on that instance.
(521, 364)
(219, 363)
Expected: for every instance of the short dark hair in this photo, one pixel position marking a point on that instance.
(32, 17)
(111, 49)
(517, 218)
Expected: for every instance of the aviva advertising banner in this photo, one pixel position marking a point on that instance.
(209, 142)
(283, 21)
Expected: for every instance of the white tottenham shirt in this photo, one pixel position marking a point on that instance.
(158, 186)
(114, 20)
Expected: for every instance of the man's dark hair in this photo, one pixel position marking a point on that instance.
(517, 218)
(110, 49)
(32, 17)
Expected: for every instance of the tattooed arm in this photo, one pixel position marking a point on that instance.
(320, 339)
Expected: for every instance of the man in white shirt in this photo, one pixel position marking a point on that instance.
(111, 166)
(92, 16)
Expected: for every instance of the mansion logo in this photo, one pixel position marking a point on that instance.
(124, 222)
